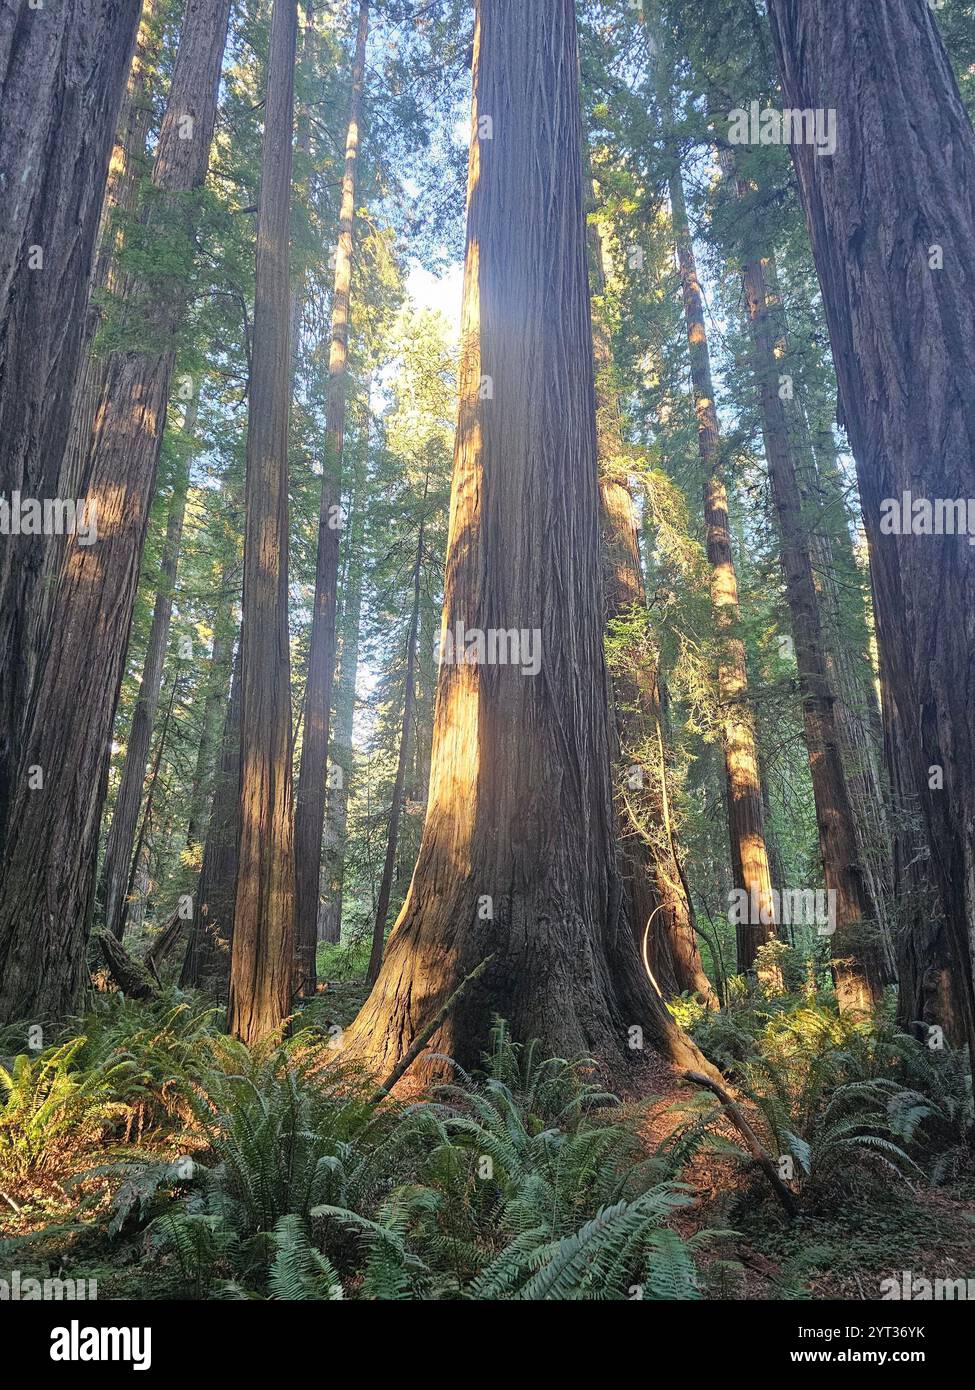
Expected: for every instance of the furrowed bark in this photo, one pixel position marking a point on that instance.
(47, 881)
(901, 317)
(262, 951)
(518, 859)
(62, 74)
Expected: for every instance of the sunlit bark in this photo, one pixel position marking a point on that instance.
(47, 880)
(518, 860)
(746, 818)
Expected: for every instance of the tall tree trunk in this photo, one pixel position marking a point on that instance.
(661, 909)
(330, 917)
(48, 875)
(746, 817)
(214, 710)
(261, 963)
(518, 859)
(856, 950)
(207, 961)
(399, 782)
(901, 318)
(125, 815)
(139, 853)
(310, 810)
(62, 74)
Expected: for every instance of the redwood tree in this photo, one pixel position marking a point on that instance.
(62, 74)
(261, 964)
(746, 816)
(518, 859)
(48, 872)
(857, 952)
(890, 215)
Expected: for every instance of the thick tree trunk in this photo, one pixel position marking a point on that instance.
(310, 809)
(206, 964)
(857, 955)
(399, 781)
(126, 168)
(518, 860)
(261, 963)
(47, 882)
(891, 220)
(746, 817)
(62, 74)
(125, 815)
(662, 915)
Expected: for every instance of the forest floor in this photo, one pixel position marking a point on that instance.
(93, 1129)
(842, 1247)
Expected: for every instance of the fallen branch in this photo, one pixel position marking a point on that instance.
(131, 976)
(417, 1047)
(737, 1118)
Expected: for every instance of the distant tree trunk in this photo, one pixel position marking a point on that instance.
(262, 964)
(62, 74)
(858, 963)
(125, 815)
(139, 853)
(746, 818)
(310, 810)
(518, 860)
(896, 263)
(399, 782)
(207, 961)
(330, 916)
(661, 909)
(48, 875)
(214, 709)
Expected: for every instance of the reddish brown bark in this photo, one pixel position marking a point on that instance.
(48, 874)
(113, 880)
(661, 911)
(62, 75)
(261, 962)
(902, 181)
(518, 861)
(746, 818)
(856, 950)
